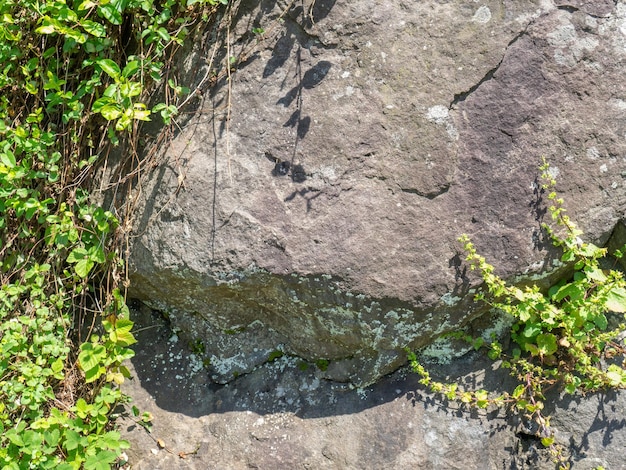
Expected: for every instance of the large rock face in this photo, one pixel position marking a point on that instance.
(312, 203)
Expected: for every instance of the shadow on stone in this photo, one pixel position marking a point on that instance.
(175, 376)
(286, 395)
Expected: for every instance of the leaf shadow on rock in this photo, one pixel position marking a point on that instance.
(286, 52)
(319, 11)
(603, 411)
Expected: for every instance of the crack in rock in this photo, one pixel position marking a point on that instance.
(462, 96)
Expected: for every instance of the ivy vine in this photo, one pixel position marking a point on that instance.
(571, 336)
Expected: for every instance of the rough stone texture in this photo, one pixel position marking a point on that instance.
(283, 417)
(364, 138)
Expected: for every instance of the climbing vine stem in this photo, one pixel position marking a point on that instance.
(570, 336)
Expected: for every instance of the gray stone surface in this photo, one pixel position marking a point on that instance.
(281, 417)
(364, 137)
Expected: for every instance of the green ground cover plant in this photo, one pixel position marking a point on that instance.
(72, 78)
(571, 336)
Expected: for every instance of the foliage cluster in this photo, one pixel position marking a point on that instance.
(570, 336)
(72, 74)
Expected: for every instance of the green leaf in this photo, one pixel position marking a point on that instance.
(482, 400)
(72, 440)
(101, 103)
(101, 461)
(596, 274)
(601, 322)
(524, 312)
(94, 374)
(478, 343)
(8, 158)
(86, 5)
(111, 112)
(589, 250)
(57, 366)
(110, 68)
(616, 376)
(532, 349)
(110, 12)
(616, 300)
(121, 334)
(67, 15)
(76, 255)
(131, 68)
(163, 34)
(32, 439)
(93, 28)
(52, 437)
(14, 437)
(571, 290)
(83, 267)
(546, 344)
(91, 355)
(48, 26)
(96, 254)
(519, 390)
(531, 330)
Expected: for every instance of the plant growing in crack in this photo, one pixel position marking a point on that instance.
(570, 336)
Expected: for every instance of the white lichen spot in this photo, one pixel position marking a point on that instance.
(437, 114)
(328, 173)
(569, 48)
(228, 365)
(442, 351)
(618, 103)
(449, 299)
(195, 364)
(391, 315)
(499, 327)
(556, 263)
(482, 15)
(440, 115)
(346, 74)
(314, 385)
(604, 168)
(562, 36)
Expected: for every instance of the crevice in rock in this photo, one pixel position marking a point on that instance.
(597, 10)
(462, 96)
(567, 8)
(428, 195)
